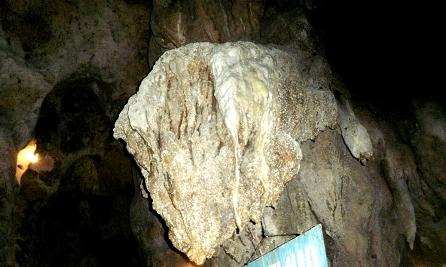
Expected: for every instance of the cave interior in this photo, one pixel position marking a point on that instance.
(69, 67)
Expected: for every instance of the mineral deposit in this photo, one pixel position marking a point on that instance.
(215, 129)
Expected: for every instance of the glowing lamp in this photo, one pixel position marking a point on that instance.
(25, 157)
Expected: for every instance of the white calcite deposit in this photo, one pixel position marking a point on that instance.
(215, 129)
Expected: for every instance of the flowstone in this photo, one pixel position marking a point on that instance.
(215, 129)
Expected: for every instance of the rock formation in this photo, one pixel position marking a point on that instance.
(44, 46)
(376, 180)
(215, 130)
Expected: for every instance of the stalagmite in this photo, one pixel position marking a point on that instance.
(215, 129)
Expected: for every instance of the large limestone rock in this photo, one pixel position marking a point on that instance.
(216, 132)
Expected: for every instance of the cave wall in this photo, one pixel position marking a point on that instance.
(373, 208)
(62, 82)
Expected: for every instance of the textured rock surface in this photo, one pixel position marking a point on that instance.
(19, 112)
(177, 23)
(355, 135)
(8, 188)
(97, 52)
(42, 45)
(428, 188)
(216, 131)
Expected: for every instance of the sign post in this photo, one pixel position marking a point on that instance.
(306, 250)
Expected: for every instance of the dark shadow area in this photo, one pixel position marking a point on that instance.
(78, 214)
(379, 49)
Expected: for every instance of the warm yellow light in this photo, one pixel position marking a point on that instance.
(25, 157)
(31, 157)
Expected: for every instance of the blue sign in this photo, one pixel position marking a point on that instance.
(307, 250)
